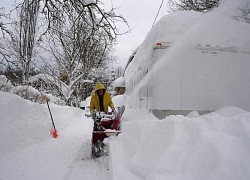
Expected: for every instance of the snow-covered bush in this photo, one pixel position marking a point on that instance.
(55, 100)
(5, 85)
(27, 92)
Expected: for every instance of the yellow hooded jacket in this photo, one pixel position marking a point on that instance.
(94, 102)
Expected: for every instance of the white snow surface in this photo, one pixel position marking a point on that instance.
(27, 151)
(119, 82)
(212, 146)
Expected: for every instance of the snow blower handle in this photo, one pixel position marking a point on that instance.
(113, 110)
(97, 124)
(94, 117)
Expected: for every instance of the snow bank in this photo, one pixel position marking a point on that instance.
(212, 146)
(119, 101)
(24, 123)
(215, 146)
(27, 151)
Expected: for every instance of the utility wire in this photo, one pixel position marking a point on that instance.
(157, 13)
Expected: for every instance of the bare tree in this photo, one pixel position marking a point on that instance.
(80, 37)
(3, 32)
(196, 5)
(24, 40)
(89, 11)
(76, 55)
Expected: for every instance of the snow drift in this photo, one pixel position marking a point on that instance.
(215, 146)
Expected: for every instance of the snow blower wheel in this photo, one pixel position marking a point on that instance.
(98, 149)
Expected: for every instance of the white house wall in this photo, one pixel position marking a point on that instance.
(198, 80)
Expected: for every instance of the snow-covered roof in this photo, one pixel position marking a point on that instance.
(204, 65)
(119, 82)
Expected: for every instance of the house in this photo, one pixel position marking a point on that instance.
(192, 61)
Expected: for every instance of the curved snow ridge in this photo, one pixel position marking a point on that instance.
(212, 146)
(230, 111)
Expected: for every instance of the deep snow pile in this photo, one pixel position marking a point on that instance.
(24, 123)
(212, 146)
(27, 151)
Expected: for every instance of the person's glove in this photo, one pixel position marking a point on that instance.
(113, 110)
(93, 115)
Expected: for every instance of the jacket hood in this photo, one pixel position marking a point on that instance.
(99, 86)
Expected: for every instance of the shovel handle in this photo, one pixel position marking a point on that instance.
(51, 116)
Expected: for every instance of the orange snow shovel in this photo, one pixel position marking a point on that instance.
(53, 132)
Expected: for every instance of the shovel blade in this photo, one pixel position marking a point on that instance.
(54, 133)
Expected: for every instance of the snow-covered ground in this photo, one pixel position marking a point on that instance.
(27, 151)
(212, 146)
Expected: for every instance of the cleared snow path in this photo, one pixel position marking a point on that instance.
(83, 167)
(67, 158)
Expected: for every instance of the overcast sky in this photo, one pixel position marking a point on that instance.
(140, 16)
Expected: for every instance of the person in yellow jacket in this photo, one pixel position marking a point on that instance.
(100, 100)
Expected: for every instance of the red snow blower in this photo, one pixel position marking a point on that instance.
(53, 132)
(105, 125)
